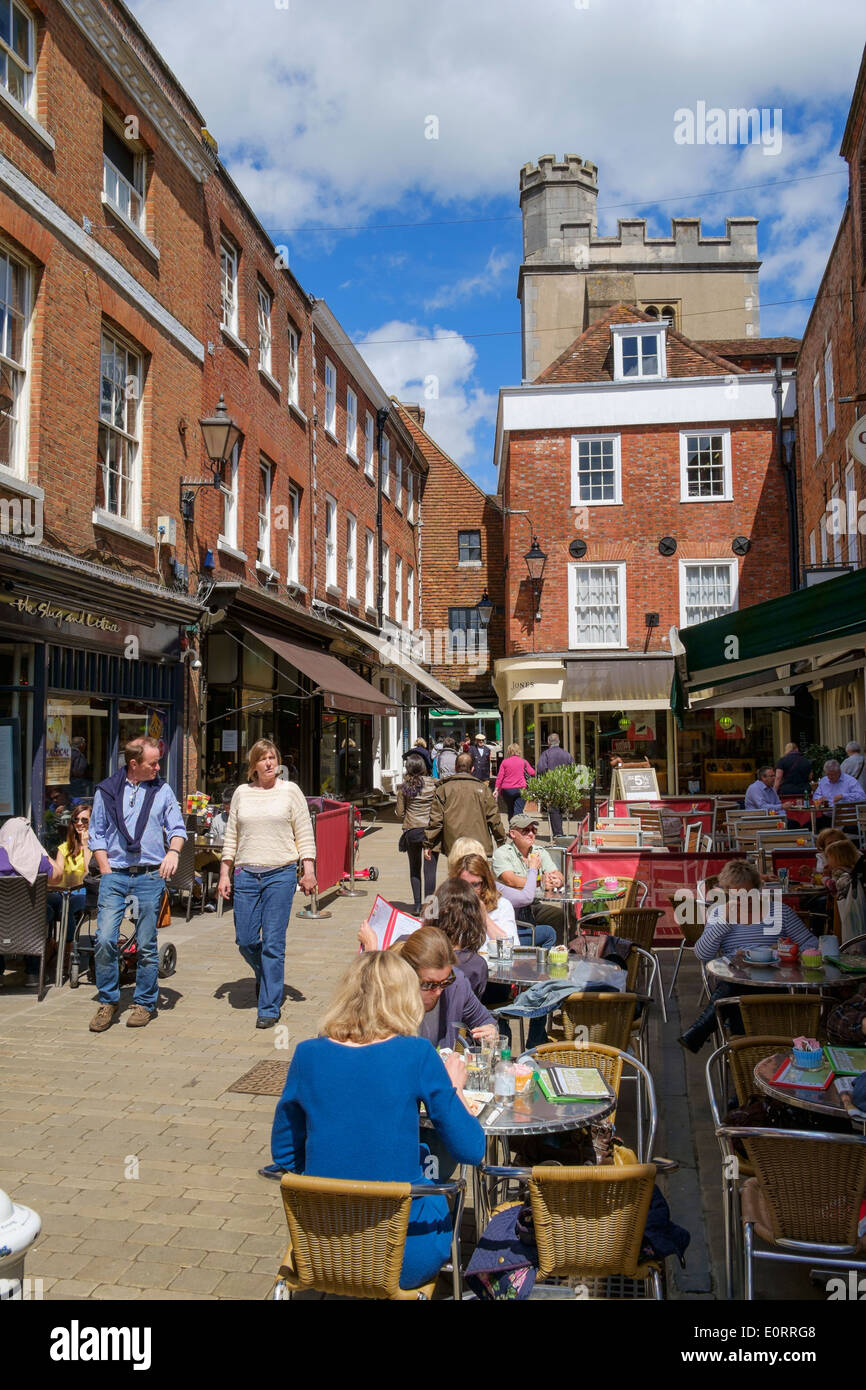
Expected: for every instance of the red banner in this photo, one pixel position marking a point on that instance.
(662, 873)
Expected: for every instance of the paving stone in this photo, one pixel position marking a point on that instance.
(169, 1254)
(72, 1288)
(229, 1261)
(198, 1280)
(209, 1238)
(152, 1275)
(118, 1291)
(246, 1286)
(105, 1271)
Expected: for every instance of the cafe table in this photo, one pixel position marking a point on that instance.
(735, 970)
(827, 1103)
(522, 969)
(530, 1114)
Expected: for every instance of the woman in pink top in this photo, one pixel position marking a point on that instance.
(511, 779)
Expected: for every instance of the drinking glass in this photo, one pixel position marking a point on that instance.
(506, 950)
(475, 1068)
(493, 948)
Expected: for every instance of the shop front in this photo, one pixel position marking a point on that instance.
(610, 707)
(267, 679)
(81, 675)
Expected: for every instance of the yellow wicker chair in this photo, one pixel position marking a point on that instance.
(780, 1013)
(598, 1017)
(804, 1200)
(589, 1225)
(610, 1061)
(737, 1059)
(348, 1238)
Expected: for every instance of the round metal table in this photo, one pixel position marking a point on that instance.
(827, 1102)
(736, 971)
(522, 970)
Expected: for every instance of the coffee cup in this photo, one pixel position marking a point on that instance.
(760, 954)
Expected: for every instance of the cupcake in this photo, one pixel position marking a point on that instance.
(807, 1053)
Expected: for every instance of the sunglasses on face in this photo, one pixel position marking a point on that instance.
(429, 985)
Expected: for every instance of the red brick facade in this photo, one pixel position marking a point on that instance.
(452, 503)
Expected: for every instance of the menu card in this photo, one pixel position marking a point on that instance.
(389, 923)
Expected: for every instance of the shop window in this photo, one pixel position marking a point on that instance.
(77, 730)
(258, 664)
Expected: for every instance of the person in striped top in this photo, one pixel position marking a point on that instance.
(745, 919)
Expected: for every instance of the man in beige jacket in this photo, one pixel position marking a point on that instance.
(463, 806)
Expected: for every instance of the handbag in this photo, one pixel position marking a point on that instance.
(163, 917)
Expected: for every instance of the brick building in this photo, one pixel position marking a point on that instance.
(646, 466)
(462, 562)
(831, 398)
(101, 174)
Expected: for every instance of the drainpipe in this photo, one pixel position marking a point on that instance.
(786, 461)
(381, 419)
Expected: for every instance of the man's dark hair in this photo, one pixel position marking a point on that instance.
(464, 763)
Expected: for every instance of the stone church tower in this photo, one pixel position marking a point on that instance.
(708, 286)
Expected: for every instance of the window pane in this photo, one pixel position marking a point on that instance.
(17, 81)
(21, 35)
(597, 605)
(630, 357)
(5, 21)
(119, 152)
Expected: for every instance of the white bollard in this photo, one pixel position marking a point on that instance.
(19, 1228)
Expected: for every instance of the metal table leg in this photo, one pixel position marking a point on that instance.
(61, 943)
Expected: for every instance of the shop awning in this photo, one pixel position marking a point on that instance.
(389, 650)
(340, 687)
(770, 648)
(631, 682)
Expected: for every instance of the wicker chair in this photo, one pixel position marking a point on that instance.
(779, 1013)
(613, 907)
(589, 1225)
(610, 1062)
(597, 1017)
(24, 919)
(804, 1200)
(736, 1060)
(183, 879)
(348, 1238)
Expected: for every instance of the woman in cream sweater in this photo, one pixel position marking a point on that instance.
(269, 832)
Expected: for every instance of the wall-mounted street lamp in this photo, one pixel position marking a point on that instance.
(219, 434)
(484, 608)
(535, 561)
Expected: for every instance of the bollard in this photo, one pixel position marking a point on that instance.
(350, 891)
(19, 1227)
(312, 913)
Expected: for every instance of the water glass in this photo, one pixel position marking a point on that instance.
(506, 950)
(476, 1069)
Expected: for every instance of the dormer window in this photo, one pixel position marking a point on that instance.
(638, 351)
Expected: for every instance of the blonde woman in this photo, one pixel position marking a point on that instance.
(350, 1104)
(269, 832)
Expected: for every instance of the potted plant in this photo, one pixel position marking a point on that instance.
(566, 788)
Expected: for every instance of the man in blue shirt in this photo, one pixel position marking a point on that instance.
(134, 813)
(762, 795)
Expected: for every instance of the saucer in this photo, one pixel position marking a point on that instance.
(772, 964)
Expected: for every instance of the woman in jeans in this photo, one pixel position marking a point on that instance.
(511, 779)
(269, 831)
(414, 799)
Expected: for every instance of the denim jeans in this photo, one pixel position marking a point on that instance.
(513, 798)
(114, 890)
(263, 904)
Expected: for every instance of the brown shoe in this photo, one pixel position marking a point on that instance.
(138, 1016)
(103, 1018)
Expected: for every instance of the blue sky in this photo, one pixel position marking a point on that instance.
(322, 113)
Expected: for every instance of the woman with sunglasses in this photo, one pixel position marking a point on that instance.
(446, 994)
(72, 863)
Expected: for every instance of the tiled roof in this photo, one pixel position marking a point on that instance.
(590, 357)
(751, 347)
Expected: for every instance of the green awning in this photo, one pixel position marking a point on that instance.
(758, 646)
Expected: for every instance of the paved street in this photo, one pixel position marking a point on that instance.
(142, 1165)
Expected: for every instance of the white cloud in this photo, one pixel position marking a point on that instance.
(321, 110)
(486, 281)
(437, 369)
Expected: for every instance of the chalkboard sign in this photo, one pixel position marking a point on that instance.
(634, 784)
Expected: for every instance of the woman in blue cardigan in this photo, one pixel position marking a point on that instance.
(350, 1104)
